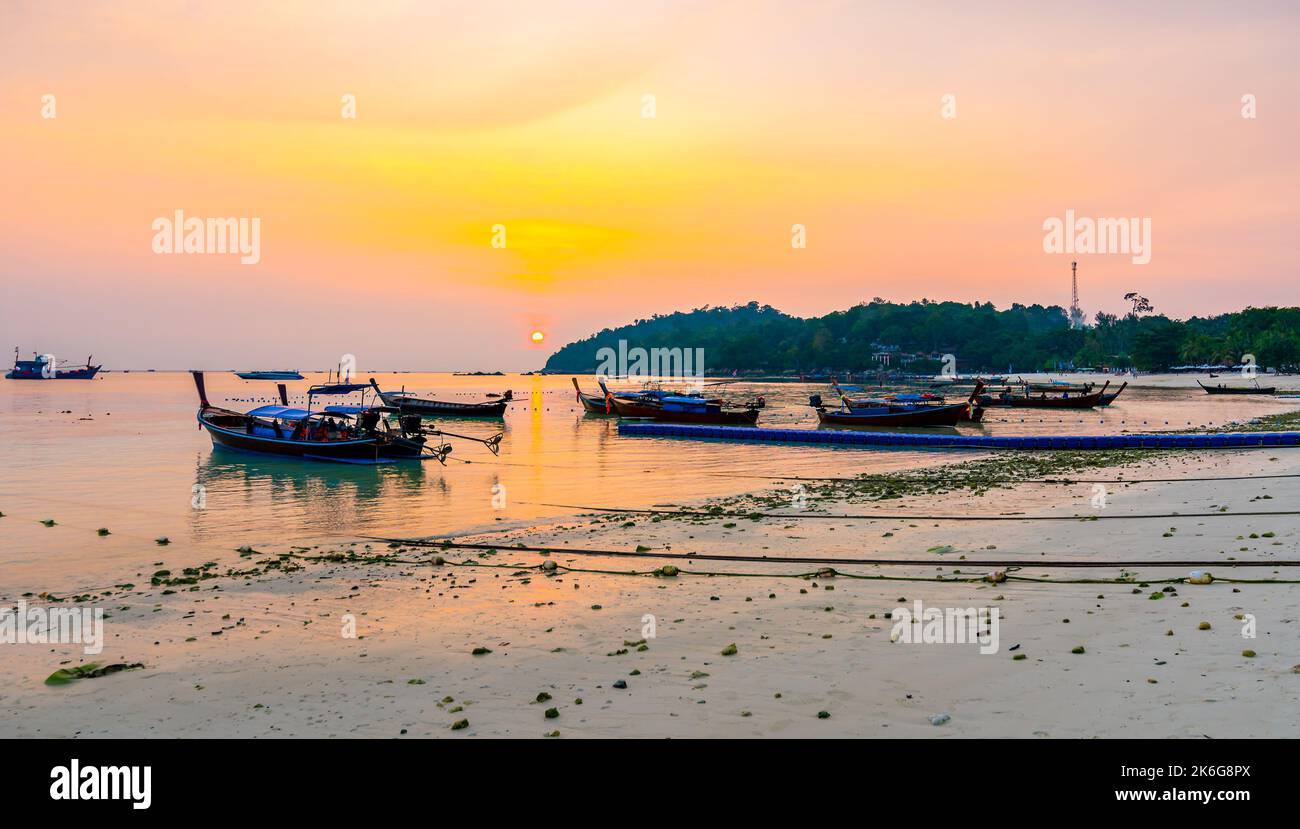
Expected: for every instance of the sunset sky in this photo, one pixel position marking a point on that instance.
(376, 230)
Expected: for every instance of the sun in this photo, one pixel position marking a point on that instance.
(537, 336)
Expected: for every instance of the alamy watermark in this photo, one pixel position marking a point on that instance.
(179, 234)
(674, 363)
(23, 625)
(1077, 235)
(947, 626)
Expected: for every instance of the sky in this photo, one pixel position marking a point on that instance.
(514, 167)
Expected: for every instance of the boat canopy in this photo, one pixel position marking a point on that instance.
(289, 413)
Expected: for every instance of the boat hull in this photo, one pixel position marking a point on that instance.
(1086, 401)
(364, 450)
(268, 375)
(439, 408)
(932, 416)
(743, 417)
(593, 404)
(1237, 389)
(87, 373)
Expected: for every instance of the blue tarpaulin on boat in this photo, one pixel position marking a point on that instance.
(279, 412)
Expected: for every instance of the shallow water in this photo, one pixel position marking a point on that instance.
(124, 452)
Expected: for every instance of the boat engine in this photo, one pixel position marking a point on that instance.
(815, 401)
(369, 421)
(410, 424)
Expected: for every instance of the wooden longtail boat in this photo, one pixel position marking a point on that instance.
(1222, 389)
(410, 404)
(594, 403)
(43, 367)
(344, 434)
(973, 413)
(1042, 401)
(673, 409)
(893, 411)
(1107, 399)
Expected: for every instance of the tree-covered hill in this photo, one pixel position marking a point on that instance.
(759, 338)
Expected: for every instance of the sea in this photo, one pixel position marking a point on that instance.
(123, 452)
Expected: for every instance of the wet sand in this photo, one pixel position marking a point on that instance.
(281, 666)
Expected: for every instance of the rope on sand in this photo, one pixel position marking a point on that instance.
(903, 516)
(823, 573)
(891, 562)
(1064, 480)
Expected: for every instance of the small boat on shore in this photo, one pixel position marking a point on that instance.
(410, 404)
(268, 375)
(1222, 389)
(44, 367)
(1040, 400)
(898, 410)
(972, 413)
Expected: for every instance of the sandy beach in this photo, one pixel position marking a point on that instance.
(268, 655)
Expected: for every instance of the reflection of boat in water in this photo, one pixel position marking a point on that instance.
(262, 494)
(44, 367)
(295, 479)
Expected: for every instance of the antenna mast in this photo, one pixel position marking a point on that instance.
(1076, 313)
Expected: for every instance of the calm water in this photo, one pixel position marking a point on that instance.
(123, 451)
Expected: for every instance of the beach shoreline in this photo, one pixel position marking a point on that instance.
(267, 655)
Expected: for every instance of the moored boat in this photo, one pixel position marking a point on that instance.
(1222, 389)
(268, 375)
(676, 409)
(410, 404)
(898, 410)
(45, 367)
(972, 413)
(1107, 399)
(1041, 400)
(344, 434)
(594, 403)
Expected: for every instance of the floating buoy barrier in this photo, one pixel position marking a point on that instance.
(911, 440)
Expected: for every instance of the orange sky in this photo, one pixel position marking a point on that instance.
(376, 231)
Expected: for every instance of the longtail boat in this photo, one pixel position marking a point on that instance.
(1107, 399)
(594, 403)
(973, 413)
(344, 434)
(675, 409)
(1041, 400)
(44, 367)
(1222, 389)
(893, 411)
(410, 404)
